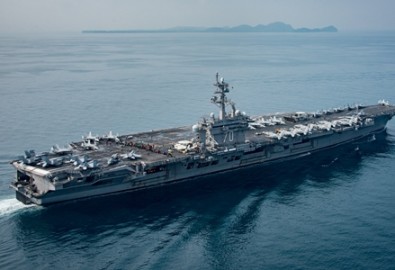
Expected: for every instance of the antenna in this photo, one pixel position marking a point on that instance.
(220, 100)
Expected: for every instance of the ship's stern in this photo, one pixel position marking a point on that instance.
(24, 184)
(21, 193)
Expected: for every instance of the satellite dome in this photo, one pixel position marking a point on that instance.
(195, 128)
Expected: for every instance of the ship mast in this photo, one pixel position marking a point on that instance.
(220, 100)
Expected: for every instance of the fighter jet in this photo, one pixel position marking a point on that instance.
(132, 155)
(30, 153)
(89, 142)
(93, 164)
(54, 162)
(61, 150)
(112, 137)
(114, 159)
(29, 158)
(77, 160)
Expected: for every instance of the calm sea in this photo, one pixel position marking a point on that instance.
(332, 211)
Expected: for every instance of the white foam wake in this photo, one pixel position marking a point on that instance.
(9, 206)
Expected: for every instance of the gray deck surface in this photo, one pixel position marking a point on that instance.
(154, 145)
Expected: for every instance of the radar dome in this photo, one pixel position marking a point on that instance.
(195, 128)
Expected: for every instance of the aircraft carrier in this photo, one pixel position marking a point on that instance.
(101, 165)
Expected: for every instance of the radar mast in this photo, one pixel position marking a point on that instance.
(220, 98)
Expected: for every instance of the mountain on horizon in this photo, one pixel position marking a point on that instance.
(276, 27)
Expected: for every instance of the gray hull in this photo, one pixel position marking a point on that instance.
(230, 142)
(178, 172)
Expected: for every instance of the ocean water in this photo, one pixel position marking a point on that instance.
(335, 210)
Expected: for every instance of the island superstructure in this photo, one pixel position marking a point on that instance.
(231, 141)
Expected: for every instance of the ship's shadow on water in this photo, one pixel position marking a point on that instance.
(212, 198)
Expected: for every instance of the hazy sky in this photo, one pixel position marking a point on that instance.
(77, 15)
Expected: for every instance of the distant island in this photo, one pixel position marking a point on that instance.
(276, 27)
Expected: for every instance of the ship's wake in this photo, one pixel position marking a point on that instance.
(10, 206)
